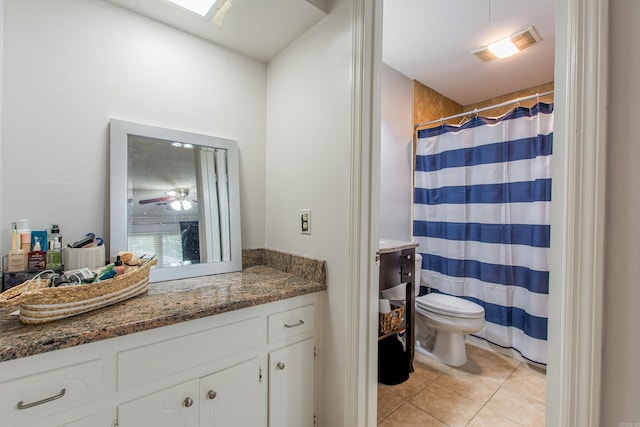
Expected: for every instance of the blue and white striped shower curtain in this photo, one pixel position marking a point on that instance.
(481, 216)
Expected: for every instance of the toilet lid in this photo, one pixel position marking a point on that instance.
(449, 305)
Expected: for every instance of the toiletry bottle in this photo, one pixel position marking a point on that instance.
(25, 238)
(37, 257)
(16, 259)
(117, 266)
(54, 253)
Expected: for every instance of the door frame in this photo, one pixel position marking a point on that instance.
(576, 279)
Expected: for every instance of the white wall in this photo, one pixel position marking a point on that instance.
(395, 155)
(308, 148)
(70, 66)
(621, 345)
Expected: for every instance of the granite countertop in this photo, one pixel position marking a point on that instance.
(282, 276)
(388, 246)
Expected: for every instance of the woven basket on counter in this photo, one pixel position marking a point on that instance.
(40, 304)
(391, 320)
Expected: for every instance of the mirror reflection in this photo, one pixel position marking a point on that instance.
(180, 199)
(171, 186)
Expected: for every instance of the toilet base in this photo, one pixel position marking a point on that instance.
(448, 348)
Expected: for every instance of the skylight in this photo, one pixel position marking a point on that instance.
(201, 7)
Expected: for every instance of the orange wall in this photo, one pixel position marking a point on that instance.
(510, 96)
(430, 105)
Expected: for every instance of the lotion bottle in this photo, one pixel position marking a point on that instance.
(54, 250)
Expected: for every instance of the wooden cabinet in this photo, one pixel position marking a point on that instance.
(396, 268)
(291, 376)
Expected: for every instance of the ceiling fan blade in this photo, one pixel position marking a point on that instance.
(156, 200)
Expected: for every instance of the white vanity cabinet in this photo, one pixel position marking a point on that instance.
(291, 375)
(231, 397)
(172, 407)
(248, 367)
(292, 367)
(52, 396)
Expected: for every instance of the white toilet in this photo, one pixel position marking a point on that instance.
(442, 321)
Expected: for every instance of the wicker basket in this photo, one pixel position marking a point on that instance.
(391, 320)
(45, 304)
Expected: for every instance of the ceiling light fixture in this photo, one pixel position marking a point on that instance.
(181, 205)
(509, 45)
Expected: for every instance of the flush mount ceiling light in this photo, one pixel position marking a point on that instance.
(215, 10)
(508, 46)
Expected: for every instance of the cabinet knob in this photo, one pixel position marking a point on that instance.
(211, 394)
(188, 402)
(280, 366)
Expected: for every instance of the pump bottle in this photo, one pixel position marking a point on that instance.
(54, 252)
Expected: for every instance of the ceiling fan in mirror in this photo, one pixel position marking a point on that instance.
(175, 199)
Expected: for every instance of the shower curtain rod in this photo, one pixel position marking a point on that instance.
(478, 110)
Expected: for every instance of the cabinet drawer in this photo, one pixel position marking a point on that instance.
(143, 364)
(291, 322)
(37, 396)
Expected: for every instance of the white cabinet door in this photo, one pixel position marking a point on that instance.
(177, 406)
(291, 385)
(92, 421)
(233, 397)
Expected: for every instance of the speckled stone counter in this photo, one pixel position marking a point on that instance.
(170, 302)
(388, 246)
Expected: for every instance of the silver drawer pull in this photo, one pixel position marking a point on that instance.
(300, 323)
(188, 402)
(22, 405)
(212, 394)
(280, 366)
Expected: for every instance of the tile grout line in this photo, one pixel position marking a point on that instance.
(408, 399)
(439, 374)
(494, 393)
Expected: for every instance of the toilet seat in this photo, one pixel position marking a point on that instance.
(448, 305)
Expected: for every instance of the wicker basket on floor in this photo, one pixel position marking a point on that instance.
(390, 321)
(41, 304)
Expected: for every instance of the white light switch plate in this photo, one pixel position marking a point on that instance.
(305, 221)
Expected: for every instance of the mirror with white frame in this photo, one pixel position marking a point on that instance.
(175, 195)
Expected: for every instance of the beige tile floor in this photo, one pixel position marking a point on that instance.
(489, 390)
